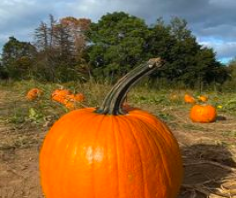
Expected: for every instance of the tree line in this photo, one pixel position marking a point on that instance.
(72, 49)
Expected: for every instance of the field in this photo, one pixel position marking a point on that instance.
(208, 150)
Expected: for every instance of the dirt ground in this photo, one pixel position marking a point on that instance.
(208, 150)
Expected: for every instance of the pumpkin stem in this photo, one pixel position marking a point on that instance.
(112, 103)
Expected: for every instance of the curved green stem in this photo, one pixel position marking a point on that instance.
(112, 103)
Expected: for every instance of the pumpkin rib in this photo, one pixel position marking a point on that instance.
(67, 150)
(129, 124)
(117, 132)
(67, 175)
(163, 127)
(93, 145)
(164, 164)
(62, 163)
(154, 146)
(53, 148)
(159, 149)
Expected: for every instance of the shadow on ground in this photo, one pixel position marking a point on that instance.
(210, 171)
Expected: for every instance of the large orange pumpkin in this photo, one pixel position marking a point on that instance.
(111, 151)
(203, 113)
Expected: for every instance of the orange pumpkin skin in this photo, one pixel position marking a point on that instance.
(34, 93)
(79, 97)
(60, 94)
(203, 98)
(189, 99)
(113, 151)
(71, 99)
(70, 105)
(203, 113)
(90, 155)
(65, 97)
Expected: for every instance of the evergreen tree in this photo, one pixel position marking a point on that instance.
(187, 62)
(117, 44)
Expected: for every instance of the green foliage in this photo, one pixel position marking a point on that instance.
(77, 50)
(18, 58)
(3, 71)
(35, 116)
(188, 63)
(60, 50)
(229, 85)
(118, 41)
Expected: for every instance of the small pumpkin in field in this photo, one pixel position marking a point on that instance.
(189, 99)
(79, 97)
(69, 105)
(60, 94)
(203, 113)
(203, 98)
(111, 151)
(71, 99)
(34, 93)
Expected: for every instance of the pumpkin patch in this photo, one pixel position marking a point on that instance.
(112, 151)
(66, 98)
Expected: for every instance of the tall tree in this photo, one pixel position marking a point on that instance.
(77, 29)
(42, 36)
(117, 44)
(3, 72)
(188, 62)
(60, 45)
(230, 83)
(18, 58)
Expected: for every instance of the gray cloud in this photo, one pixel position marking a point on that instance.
(213, 22)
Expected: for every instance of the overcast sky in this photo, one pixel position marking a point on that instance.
(213, 22)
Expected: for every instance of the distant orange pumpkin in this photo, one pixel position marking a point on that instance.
(203, 113)
(60, 94)
(71, 99)
(79, 97)
(203, 98)
(69, 105)
(34, 93)
(189, 99)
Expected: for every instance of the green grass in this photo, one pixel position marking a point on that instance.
(159, 102)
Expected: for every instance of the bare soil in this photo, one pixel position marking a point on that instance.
(208, 150)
